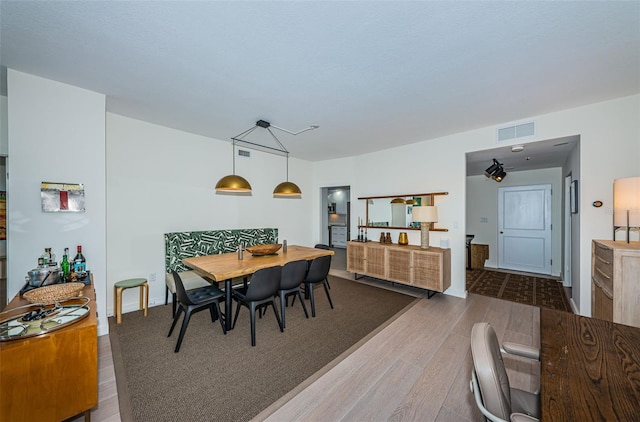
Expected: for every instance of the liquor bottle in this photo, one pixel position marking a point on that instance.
(79, 263)
(64, 265)
(46, 257)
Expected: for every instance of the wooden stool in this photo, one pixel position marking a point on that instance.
(120, 286)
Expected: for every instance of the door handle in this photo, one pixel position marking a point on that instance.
(501, 232)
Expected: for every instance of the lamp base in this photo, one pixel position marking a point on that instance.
(424, 235)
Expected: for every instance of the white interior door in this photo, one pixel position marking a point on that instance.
(524, 228)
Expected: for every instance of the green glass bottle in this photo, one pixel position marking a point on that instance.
(65, 266)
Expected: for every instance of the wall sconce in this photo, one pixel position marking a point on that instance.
(425, 215)
(626, 205)
(235, 183)
(495, 171)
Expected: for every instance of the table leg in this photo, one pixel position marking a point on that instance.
(227, 305)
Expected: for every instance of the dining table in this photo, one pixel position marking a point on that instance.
(227, 266)
(589, 368)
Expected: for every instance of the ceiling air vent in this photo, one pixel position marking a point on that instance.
(244, 153)
(517, 131)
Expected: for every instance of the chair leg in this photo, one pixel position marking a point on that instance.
(275, 311)
(304, 307)
(174, 298)
(183, 329)
(144, 298)
(252, 312)
(326, 290)
(212, 312)
(283, 300)
(309, 291)
(176, 317)
(118, 298)
(166, 295)
(236, 317)
(224, 330)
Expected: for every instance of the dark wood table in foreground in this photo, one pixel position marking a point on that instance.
(589, 369)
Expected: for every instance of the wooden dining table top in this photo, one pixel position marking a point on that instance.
(589, 369)
(226, 266)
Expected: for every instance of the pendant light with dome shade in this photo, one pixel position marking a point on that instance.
(287, 188)
(234, 183)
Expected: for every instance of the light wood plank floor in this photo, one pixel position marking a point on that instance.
(417, 367)
(108, 409)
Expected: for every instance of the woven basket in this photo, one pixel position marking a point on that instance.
(49, 294)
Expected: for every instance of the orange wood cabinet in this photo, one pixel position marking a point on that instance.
(53, 376)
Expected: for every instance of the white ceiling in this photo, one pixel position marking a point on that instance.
(372, 74)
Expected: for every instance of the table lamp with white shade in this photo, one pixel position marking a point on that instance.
(626, 205)
(425, 216)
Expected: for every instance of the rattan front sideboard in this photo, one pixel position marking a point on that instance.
(428, 269)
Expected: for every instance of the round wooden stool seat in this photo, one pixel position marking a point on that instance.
(121, 286)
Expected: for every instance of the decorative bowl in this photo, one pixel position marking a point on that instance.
(260, 250)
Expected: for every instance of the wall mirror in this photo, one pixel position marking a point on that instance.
(394, 211)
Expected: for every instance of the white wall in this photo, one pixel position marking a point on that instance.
(161, 180)
(4, 148)
(56, 133)
(609, 148)
(482, 202)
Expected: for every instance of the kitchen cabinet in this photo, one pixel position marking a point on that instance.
(428, 269)
(338, 236)
(53, 376)
(615, 286)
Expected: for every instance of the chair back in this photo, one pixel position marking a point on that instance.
(322, 246)
(181, 292)
(264, 283)
(293, 274)
(319, 269)
(489, 368)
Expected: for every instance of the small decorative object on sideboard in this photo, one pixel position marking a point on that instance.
(388, 238)
(403, 239)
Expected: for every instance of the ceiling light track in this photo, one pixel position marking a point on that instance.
(234, 183)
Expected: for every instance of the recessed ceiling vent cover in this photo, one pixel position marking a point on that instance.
(244, 153)
(517, 131)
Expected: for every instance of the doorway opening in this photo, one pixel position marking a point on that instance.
(335, 231)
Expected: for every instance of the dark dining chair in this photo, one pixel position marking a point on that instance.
(190, 280)
(328, 248)
(293, 274)
(193, 301)
(317, 274)
(263, 287)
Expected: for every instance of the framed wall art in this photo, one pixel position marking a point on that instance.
(62, 197)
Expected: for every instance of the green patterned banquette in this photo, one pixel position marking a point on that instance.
(180, 245)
